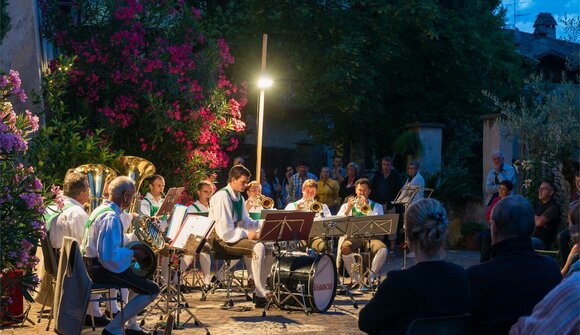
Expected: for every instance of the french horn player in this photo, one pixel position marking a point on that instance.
(361, 205)
(110, 260)
(308, 203)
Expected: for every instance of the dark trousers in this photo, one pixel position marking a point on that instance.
(126, 279)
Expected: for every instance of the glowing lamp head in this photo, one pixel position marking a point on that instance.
(265, 82)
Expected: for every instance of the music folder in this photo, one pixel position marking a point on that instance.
(200, 227)
(176, 220)
(330, 226)
(406, 194)
(286, 226)
(169, 201)
(373, 225)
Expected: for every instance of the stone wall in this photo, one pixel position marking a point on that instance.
(20, 49)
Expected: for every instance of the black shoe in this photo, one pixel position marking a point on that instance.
(260, 302)
(135, 332)
(100, 321)
(205, 288)
(108, 314)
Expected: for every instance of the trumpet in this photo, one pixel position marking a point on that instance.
(361, 205)
(263, 201)
(310, 205)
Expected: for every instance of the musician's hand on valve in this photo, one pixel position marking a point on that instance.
(139, 254)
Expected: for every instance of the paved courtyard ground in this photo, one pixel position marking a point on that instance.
(341, 318)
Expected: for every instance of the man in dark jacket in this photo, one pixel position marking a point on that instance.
(516, 278)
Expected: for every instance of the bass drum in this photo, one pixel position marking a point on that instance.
(316, 274)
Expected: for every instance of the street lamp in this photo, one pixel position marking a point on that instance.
(263, 83)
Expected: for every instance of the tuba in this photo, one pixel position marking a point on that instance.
(136, 168)
(98, 176)
(146, 228)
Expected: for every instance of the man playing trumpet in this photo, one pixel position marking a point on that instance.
(362, 206)
(309, 204)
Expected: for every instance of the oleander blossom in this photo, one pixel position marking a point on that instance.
(22, 196)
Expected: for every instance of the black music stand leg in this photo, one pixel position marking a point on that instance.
(339, 284)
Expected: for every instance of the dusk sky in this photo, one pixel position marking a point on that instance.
(528, 10)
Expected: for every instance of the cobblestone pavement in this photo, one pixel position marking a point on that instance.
(243, 318)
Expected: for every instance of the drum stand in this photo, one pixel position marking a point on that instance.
(279, 288)
(172, 292)
(339, 284)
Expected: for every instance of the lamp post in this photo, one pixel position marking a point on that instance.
(263, 83)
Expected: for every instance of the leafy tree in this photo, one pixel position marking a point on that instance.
(358, 71)
(4, 19)
(147, 74)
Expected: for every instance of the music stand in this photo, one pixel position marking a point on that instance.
(169, 201)
(192, 236)
(285, 226)
(405, 196)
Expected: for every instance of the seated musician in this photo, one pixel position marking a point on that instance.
(309, 189)
(236, 232)
(154, 198)
(108, 261)
(205, 190)
(377, 248)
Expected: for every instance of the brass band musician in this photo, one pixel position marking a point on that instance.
(108, 260)
(204, 191)
(360, 205)
(236, 231)
(154, 198)
(308, 203)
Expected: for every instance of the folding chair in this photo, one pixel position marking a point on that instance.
(441, 325)
(50, 269)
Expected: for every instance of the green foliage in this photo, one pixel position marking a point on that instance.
(4, 19)
(546, 122)
(451, 185)
(358, 71)
(65, 142)
(407, 144)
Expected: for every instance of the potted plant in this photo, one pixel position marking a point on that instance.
(469, 231)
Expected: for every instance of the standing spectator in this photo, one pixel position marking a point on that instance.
(338, 173)
(267, 188)
(327, 192)
(386, 184)
(277, 185)
(576, 195)
(500, 171)
(516, 278)
(432, 287)
(547, 217)
(298, 179)
(416, 179)
(347, 185)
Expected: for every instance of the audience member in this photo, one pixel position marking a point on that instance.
(574, 233)
(547, 217)
(347, 187)
(298, 179)
(287, 185)
(500, 171)
(505, 189)
(516, 278)
(338, 173)
(327, 192)
(432, 287)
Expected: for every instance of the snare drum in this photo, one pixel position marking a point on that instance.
(316, 274)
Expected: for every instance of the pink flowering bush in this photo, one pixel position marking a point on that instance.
(22, 196)
(145, 72)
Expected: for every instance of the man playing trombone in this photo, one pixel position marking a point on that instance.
(362, 206)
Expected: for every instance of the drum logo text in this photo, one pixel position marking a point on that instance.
(323, 287)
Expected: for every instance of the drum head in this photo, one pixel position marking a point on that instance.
(323, 285)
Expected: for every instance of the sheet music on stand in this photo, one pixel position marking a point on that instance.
(322, 226)
(200, 227)
(176, 220)
(286, 226)
(406, 195)
(373, 225)
(170, 200)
